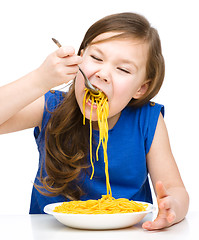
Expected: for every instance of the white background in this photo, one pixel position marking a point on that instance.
(26, 29)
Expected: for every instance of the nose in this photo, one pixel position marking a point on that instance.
(104, 75)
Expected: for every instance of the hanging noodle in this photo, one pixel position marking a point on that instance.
(107, 204)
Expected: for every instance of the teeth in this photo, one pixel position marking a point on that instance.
(91, 101)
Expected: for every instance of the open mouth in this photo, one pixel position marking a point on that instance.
(94, 99)
(99, 102)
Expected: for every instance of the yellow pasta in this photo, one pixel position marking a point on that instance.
(104, 205)
(102, 114)
(107, 204)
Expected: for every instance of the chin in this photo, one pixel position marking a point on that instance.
(94, 119)
(87, 115)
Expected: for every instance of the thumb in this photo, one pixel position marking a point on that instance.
(65, 51)
(161, 190)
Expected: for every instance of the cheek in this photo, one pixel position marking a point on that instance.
(122, 94)
(79, 93)
(89, 67)
(124, 91)
(79, 81)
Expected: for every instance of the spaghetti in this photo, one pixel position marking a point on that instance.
(107, 204)
(102, 114)
(104, 205)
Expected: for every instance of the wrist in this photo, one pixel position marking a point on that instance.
(39, 81)
(180, 203)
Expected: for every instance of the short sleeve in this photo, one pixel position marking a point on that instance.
(150, 116)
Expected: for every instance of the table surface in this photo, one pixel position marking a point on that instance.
(47, 227)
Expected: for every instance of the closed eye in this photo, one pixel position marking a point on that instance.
(96, 58)
(124, 70)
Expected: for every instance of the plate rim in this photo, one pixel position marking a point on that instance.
(151, 209)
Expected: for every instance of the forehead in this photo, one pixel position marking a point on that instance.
(107, 36)
(122, 45)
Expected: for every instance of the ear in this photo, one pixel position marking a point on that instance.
(81, 52)
(142, 90)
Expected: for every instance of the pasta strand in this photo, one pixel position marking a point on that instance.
(107, 204)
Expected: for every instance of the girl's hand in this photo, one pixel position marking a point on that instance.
(59, 67)
(166, 215)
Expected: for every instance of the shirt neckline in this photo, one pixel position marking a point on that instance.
(116, 125)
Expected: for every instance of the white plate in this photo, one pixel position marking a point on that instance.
(98, 221)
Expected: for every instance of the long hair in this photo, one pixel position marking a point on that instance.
(66, 138)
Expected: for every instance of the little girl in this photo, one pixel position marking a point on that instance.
(121, 56)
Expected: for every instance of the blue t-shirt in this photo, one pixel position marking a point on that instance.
(129, 141)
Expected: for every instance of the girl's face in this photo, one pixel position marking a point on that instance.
(116, 67)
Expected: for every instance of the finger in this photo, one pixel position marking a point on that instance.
(71, 70)
(146, 225)
(161, 190)
(65, 52)
(72, 61)
(165, 203)
(164, 219)
(159, 223)
(171, 216)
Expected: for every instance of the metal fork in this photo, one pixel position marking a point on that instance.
(87, 82)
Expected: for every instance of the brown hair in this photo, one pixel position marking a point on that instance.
(132, 25)
(67, 140)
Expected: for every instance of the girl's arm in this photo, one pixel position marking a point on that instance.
(22, 101)
(172, 197)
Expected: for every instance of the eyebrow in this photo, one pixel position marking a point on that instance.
(127, 61)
